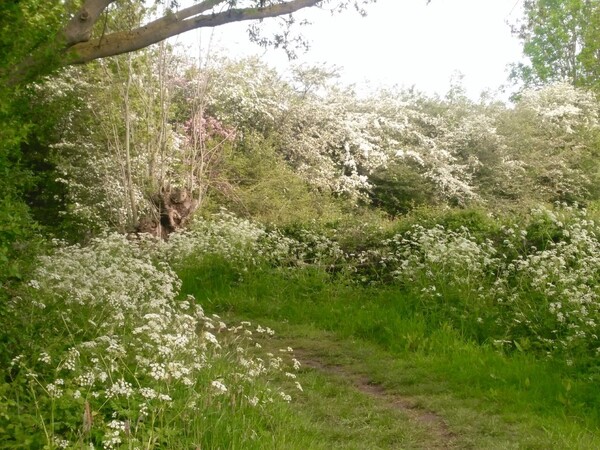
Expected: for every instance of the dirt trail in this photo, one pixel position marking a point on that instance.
(440, 436)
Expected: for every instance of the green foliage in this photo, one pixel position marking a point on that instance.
(479, 221)
(464, 285)
(28, 30)
(399, 188)
(561, 40)
(264, 187)
(16, 225)
(499, 281)
(37, 23)
(437, 358)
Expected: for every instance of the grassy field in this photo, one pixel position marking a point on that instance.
(378, 374)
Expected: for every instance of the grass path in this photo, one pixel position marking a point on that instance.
(353, 400)
(436, 431)
(342, 407)
(358, 396)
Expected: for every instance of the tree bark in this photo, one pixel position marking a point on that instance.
(174, 207)
(79, 28)
(127, 118)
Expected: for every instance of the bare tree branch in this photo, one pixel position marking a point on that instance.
(172, 25)
(194, 10)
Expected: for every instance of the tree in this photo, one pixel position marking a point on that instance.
(553, 134)
(83, 35)
(561, 38)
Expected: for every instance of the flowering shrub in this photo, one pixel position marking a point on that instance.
(562, 108)
(116, 359)
(554, 134)
(446, 268)
(236, 240)
(191, 125)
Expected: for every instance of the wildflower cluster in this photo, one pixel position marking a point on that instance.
(532, 283)
(535, 284)
(529, 282)
(224, 235)
(117, 353)
(303, 247)
(244, 243)
(551, 294)
(445, 266)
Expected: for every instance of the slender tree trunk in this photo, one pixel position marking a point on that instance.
(130, 187)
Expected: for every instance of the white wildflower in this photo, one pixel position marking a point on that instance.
(158, 371)
(45, 358)
(60, 443)
(211, 338)
(53, 390)
(219, 387)
(117, 425)
(164, 397)
(120, 388)
(148, 393)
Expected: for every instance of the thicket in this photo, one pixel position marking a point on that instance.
(236, 134)
(524, 283)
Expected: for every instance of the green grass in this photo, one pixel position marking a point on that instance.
(486, 398)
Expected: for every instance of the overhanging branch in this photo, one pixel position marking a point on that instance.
(171, 25)
(194, 10)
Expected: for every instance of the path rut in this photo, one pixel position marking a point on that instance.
(440, 436)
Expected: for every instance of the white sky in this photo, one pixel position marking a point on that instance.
(402, 42)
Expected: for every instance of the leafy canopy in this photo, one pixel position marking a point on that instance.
(561, 39)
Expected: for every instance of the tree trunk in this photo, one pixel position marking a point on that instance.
(174, 206)
(129, 175)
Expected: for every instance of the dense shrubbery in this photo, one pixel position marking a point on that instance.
(237, 134)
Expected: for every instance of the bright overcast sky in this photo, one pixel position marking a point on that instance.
(402, 42)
